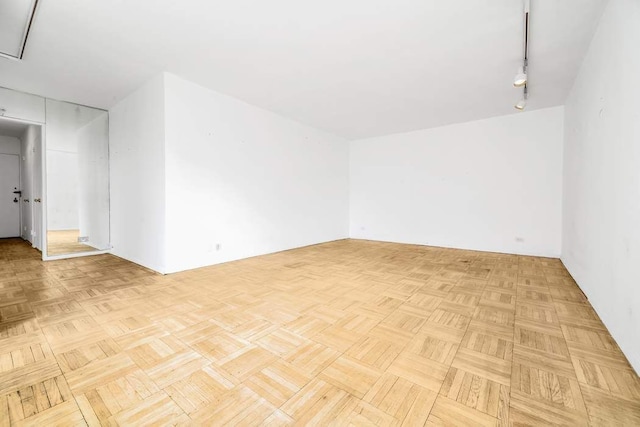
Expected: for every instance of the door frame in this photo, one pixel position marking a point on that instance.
(41, 166)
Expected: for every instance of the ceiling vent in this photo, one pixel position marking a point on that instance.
(16, 17)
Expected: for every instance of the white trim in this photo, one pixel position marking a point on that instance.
(43, 197)
(25, 121)
(73, 255)
(7, 56)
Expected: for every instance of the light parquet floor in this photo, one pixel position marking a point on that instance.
(65, 242)
(348, 333)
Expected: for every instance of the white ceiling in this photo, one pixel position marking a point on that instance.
(356, 68)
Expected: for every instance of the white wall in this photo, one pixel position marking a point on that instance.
(93, 183)
(480, 185)
(62, 167)
(137, 176)
(601, 217)
(246, 179)
(9, 145)
(20, 105)
(64, 121)
(62, 190)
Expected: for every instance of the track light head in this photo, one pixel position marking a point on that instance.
(523, 102)
(521, 78)
(520, 105)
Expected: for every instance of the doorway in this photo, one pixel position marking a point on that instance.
(21, 184)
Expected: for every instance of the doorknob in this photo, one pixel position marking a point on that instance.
(37, 200)
(15, 200)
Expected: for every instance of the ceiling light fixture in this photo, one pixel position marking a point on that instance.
(522, 78)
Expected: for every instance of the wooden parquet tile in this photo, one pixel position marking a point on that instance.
(420, 370)
(278, 382)
(476, 391)
(393, 395)
(374, 352)
(343, 333)
(432, 348)
(316, 402)
(351, 375)
(483, 365)
(448, 412)
(607, 409)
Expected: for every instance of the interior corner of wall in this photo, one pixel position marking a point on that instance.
(168, 78)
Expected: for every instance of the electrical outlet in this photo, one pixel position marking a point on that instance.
(520, 239)
(217, 246)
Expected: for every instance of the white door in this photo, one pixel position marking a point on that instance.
(9, 201)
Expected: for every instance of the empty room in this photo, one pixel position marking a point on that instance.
(350, 213)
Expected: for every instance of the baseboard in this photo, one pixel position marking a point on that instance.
(242, 257)
(466, 248)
